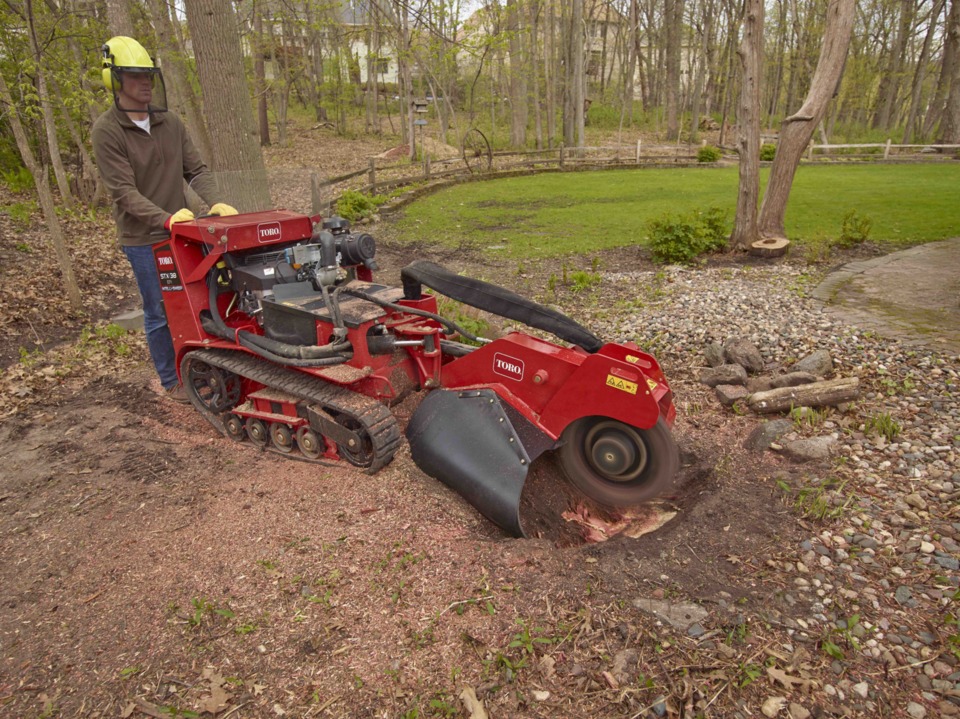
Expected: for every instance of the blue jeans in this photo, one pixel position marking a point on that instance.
(159, 341)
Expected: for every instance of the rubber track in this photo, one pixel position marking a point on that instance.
(378, 422)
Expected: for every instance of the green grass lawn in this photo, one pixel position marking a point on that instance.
(557, 213)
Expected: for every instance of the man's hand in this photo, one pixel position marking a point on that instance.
(222, 209)
(183, 215)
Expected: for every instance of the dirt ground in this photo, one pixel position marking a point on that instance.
(154, 568)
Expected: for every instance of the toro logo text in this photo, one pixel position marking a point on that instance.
(268, 232)
(508, 366)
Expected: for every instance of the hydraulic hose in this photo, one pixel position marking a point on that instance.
(280, 352)
(449, 324)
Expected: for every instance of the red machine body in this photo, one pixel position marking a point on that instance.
(285, 344)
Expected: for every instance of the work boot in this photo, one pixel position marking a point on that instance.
(177, 393)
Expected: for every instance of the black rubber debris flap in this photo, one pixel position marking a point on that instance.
(467, 441)
(494, 299)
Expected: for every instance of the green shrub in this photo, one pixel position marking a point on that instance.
(713, 223)
(680, 240)
(709, 153)
(354, 205)
(17, 180)
(855, 229)
(767, 152)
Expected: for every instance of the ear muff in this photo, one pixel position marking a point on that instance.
(108, 79)
(107, 73)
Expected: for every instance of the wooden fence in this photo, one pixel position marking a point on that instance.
(381, 176)
(879, 151)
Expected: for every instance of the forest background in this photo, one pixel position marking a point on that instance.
(528, 73)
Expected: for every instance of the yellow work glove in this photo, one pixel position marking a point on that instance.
(223, 209)
(182, 215)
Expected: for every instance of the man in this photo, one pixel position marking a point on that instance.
(144, 155)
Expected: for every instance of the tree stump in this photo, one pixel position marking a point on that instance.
(770, 247)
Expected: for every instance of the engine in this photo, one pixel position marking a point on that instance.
(280, 273)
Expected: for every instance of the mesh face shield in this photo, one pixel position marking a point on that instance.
(158, 100)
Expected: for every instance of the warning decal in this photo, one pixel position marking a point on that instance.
(632, 359)
(651, 384)
(621, 384)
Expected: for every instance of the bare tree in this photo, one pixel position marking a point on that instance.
(796, 130)
(259, 76)
(518, 80)
(235, 145)
(43, 97)
(673, 18)
(748, 127)
(950, 124)
(39, 173)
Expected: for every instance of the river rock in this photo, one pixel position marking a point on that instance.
(818, 363)
(713, 354)
(765, 434)
(724, 374)
(739, 350)
(809, 450)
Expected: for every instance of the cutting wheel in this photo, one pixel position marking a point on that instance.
(616, 464)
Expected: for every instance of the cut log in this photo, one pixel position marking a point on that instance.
(816, 394)
(770, 247)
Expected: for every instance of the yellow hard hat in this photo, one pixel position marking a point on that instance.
(124, 53)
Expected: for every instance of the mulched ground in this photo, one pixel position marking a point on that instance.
(154, 568)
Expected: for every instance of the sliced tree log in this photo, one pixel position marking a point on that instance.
(770, 247)
(816, 394)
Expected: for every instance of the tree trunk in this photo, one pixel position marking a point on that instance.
(577, 78)
(890, 78)
(46, 199)
(748, 127)
(534, 65)
(950, 125)
(259, 75)
(950, 55)
(549, 75)
(518, 83)
(119, 20)
(796, 130)
(673, 17)
(697, 90)
(49, 123)
(916, 91)
(236, 157)
(406, 97)
(87, 165)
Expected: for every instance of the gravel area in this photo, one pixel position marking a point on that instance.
(879, 569)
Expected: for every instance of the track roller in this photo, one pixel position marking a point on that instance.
(257, 432)
(281, 437)
(309, 443)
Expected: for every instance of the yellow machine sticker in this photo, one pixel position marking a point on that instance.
(621, 384)
(632, 360)
(651, 384)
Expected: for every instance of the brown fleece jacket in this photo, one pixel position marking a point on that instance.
(144, 172)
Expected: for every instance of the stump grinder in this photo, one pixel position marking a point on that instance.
(284, 340)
